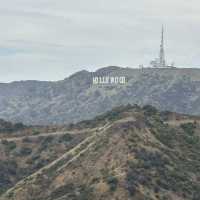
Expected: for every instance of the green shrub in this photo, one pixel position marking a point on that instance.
(132, 180)
(35, 132)
(65, 138)
(112, 181)
(149, 110)
(9, 127)
(26, 140)
(8, 168)
(45, 143)
(25, 151)
(9, 145)
(192, 140)
(18, 126)
(188, 128)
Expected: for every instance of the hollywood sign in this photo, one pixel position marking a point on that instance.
(101, 80)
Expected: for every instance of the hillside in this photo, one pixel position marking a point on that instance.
(24, 152)
(75, 99)
(8, 127)
(133, 153)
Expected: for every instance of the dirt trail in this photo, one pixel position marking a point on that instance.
(47, 134)
(9, 139)
(182, 121)
(67, 157)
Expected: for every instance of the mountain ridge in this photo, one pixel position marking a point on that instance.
(75, 98)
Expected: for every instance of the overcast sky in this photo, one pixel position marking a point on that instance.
(51, 39)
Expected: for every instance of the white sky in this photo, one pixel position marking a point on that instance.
(51, 39)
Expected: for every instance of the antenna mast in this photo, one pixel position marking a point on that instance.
(162, 51)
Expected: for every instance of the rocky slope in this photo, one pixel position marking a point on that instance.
(134, 154)
(75, 98)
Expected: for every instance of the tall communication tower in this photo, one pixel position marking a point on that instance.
(162, 50)
(160, 62)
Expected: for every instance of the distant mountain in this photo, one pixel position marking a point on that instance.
(75, 98)
(129, 153)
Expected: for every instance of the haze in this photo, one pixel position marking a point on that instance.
(51, 39)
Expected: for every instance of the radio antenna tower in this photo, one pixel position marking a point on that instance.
(162, 51)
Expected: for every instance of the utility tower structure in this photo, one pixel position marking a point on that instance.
(162, 50)
(160, 61)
